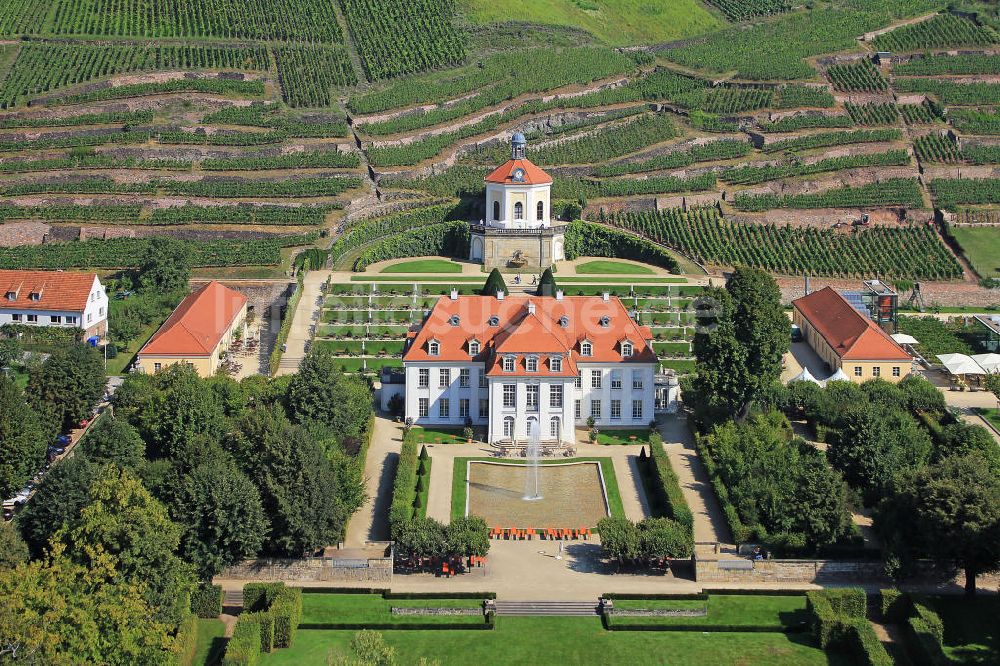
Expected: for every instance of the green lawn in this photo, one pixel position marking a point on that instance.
(614, 437)
(607, 267)
(458, 478)
(774, 612)
(424, 266)
(409, 280)
(616, 22)
(991, 414)
(559, 641)
(211, 643)
(438, 435)
(971, 630)
(322, 608)
(618, 280)
(981, 246)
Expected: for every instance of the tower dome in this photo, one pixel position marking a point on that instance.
(518, 144)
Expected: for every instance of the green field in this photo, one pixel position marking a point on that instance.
(211, 643)
(612, 268)
(981, 246)
(424, 266)
(776, 612)
(615, 437)
(561, 641)
(971, 632)
(616, 22)
(322, 608)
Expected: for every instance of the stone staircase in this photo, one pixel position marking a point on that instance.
(233, 599)
(548, 608)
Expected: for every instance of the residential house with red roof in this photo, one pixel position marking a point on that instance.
(54, 298)
(530, 366)
(198, 332)
(847, 339)
(518, 230)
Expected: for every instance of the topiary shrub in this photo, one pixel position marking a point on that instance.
(259, 596)
(243, 649)
(206, 601)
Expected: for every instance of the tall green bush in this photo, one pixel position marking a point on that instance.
(206, 601)
(243, 649)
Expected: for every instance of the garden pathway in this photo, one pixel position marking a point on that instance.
(304, 320)
(709, 521)
(371, 521)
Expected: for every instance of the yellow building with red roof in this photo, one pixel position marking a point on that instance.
(517, 230)
(530, 367)
(198, 332)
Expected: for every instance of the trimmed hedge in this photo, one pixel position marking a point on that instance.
(660, 597)
(260, 596)
(666, 485)
(741, 533)
(206, 601)
(584, 239)
(243, 649)
(839, 622)
(404, 489)
(286, 611)
(896, 606)
(488, 625)
(611, 625)
(925, 631)
(286, 323)
(186, 641)
(446, 239)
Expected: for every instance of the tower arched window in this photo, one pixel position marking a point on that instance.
(540, 208)
(519, 211)
(496, 210)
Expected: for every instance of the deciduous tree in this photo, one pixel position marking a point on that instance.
(69, 383)
(23, 440)
(113, 440)
(167, 265)
(57, 502)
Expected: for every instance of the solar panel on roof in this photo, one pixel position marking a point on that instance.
(857, 302)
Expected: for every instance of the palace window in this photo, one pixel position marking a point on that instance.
(444, 408)
(636, 410)
(876, 371)
(554, 427)
(857, 371)
(556, 396)
(895, 371)
(616, 379)
(555, 364)
(508, 364)
(509, 395)
(433, 347)
(616, 409)
(531, 364)
(508, 426)
(484, 408)
(463, 408)
(578, 381)
(422, 407)
(423, 377)
(636, 380)
(595, 408)
(626, 349)
(463, 378)
(586, 349)
(519, 211)
(532, 397)
(595, 378)
(496, 210)
(482, 380)
(540, 211)
(576, 409)
(473, 347)
(444, 377)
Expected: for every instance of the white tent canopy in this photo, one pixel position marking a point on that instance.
(904, 339)
(960, 364)
(988, 362)
(839, 376)
(804, 376)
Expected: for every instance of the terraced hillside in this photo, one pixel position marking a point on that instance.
(369, 125)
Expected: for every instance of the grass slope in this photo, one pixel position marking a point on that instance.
(616, 22)
(981, 246)
(612, 268)
(424, 266)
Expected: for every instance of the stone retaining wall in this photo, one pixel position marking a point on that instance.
(436, 611)
(659, 612)
(788, 571)
(308, 570)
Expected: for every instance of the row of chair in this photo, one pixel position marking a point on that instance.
(549, 533)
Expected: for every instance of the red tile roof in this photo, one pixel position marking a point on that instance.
(58, 292)
(850, 334)
(198, 324)
(520, 333)
(504, 174)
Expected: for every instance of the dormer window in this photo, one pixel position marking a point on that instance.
(508, 364)
(555, 364)
(605, 321)
(473, 347)
(586, 348)
(35, 295)
(564, 321)
(531, 364)
(493, 321)
(454, 320)
(434, 348)
(11, 295)
(626, 349)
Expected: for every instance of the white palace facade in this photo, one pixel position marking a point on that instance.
(529, 366)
